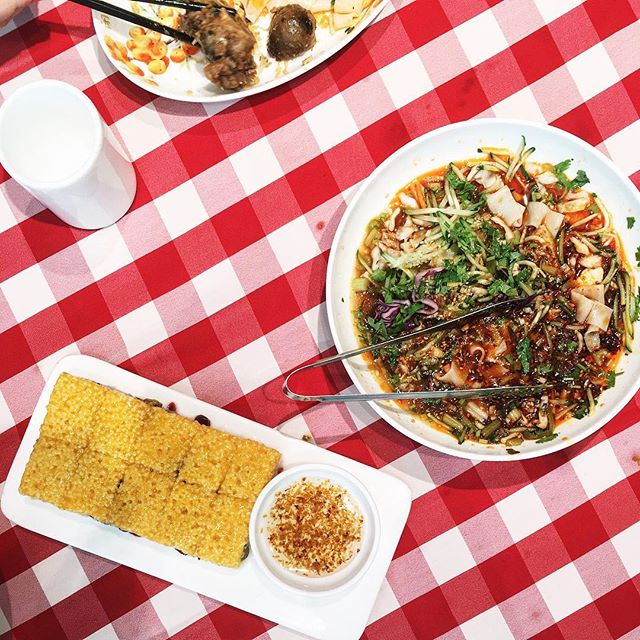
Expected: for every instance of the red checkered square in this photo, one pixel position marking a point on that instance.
(546, 58)
(230, 622)
(608, 22)
(119, 591)
(506, 573)
(162, 270)
(463, 96)
(74, 309)
(44, 625)
(580, 122)
(620, 609)
(580, 530)
(429, 615)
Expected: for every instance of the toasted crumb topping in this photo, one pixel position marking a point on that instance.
(314, 527)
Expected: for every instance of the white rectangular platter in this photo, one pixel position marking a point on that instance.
(340, 617)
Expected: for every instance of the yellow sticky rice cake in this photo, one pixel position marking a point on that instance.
(154, 473)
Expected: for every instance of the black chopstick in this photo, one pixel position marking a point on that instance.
(134, 18)
(179, 4)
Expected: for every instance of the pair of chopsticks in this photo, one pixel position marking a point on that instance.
(148, 23)
(485, 392)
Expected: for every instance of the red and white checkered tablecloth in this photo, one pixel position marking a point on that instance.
(213, 284)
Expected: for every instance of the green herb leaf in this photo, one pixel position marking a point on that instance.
(545, 368)
(630, 222)
(638, 257)
(611, 378)
(581, 411)
(579, 181)
(551, 436)
(379, 275)
(572, 345)
(523, 349)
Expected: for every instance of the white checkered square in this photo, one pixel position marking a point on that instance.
(623, 146)
(97, 65)
(105, 251)
(293, 244)
(181, 209)
(481, 37)
(6, 419)
(27, 292)
(489, 625)
(105, 633)
(254, 365)
(411, 470)
(447, 555)
(593, 71)
(331, 122)
(552, 9)
(627, 546)
(521, 105)
(4, 623)
(22, 79)
(142, 131)
(60, 575)
(318, 323)
(141, 329)
(385, 603)
(7, 218)
(177, 608)
(406, 79)
(598, 469)
(523, 512)
(256, 166)
(564, 591)
(218, 287)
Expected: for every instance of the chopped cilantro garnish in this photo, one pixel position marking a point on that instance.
(579, 181)
(638, 256)
(611, 378)
(379, 275)
(545, 368)
(630, 222)
(572, 345)
(523, 349)
(581, 411)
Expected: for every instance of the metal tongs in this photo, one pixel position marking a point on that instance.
(484, 392)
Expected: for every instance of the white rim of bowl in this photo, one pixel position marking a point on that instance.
(331, 473)
(552, 447)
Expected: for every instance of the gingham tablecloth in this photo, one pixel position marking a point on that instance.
(213, 284)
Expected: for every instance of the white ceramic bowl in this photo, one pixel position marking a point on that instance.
(457, 142)
(311, 585)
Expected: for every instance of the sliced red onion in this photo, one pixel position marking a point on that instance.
(418, 279)
(430, 307)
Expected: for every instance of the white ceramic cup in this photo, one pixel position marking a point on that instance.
(55, 144)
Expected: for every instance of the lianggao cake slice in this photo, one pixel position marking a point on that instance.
(140, 500)
(72, 408)
(208, 458)
(50, 469)
(226, 536)
(117, 424)
(163, 440)
(252, 466)
(94, 484)
(188, 510)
